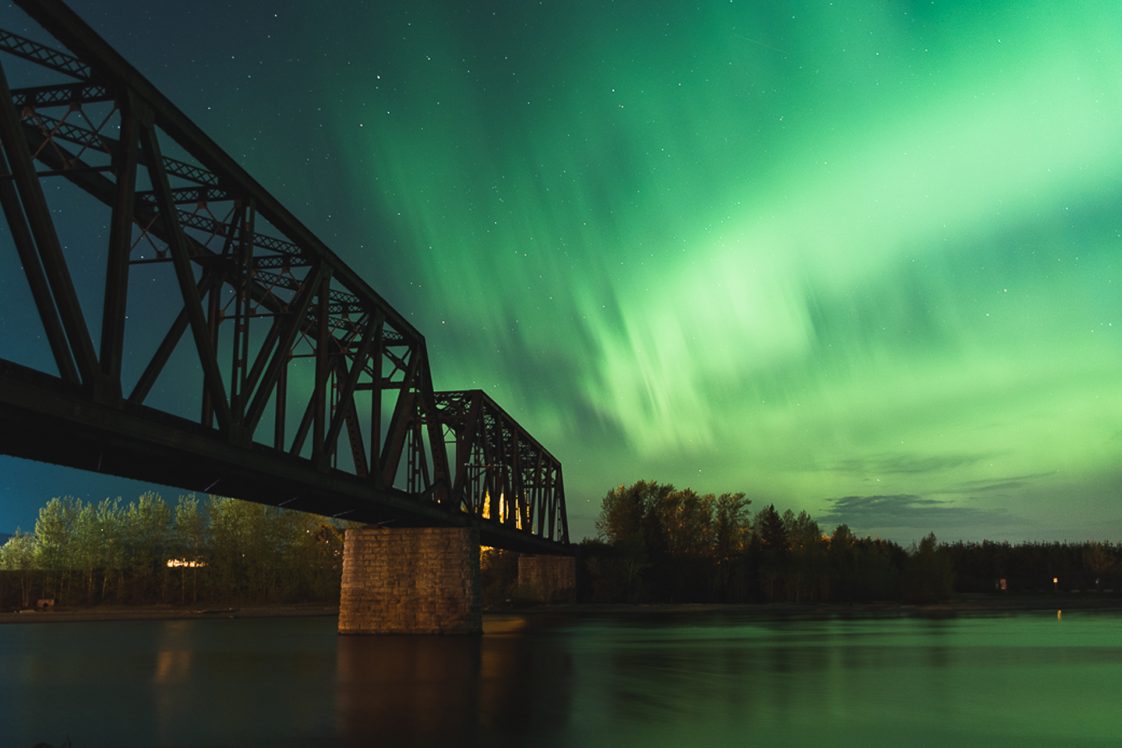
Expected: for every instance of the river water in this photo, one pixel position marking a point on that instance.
(671, 679)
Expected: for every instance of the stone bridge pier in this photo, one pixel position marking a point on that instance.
(410, 580)
(425, 580)
(547, 579)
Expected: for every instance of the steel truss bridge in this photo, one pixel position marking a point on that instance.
(229, 350)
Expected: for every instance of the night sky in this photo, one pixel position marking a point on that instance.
(858, 258)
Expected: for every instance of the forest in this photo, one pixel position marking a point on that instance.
(655, 544)
(148, 551)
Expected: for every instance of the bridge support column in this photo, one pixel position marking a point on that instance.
(413, 580)
(547, 579)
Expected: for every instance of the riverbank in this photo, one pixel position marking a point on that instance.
(964, 605)
(164, 612)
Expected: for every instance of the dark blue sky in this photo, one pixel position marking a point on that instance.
(861, 259)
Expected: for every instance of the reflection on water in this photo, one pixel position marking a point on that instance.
(425, 691)
(676, 679)
(173, 659)
(407, 690)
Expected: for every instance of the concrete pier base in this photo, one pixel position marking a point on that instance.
(547, 579)
(414, 580)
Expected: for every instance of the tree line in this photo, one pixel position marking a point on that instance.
(658, 543)
(147, 551)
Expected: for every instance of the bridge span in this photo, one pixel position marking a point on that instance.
(179, 325)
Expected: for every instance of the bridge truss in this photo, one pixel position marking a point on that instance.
(230, 351)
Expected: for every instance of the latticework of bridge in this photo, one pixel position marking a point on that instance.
(229, 351)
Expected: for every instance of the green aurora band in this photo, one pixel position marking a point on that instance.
(861, 259)
(865, 251)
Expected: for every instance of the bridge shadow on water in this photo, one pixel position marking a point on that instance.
(454, 690)
(279, 682)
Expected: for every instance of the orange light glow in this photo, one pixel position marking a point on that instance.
(182, 563)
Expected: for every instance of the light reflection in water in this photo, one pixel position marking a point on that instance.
(173, 659)
(407, 689)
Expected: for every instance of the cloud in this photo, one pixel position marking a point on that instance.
(1013, 482)
(908, 511)
(904, 463)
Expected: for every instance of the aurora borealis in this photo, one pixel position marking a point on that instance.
(863, 259)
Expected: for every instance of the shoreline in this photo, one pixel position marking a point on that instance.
(961, 605)
(164, 613)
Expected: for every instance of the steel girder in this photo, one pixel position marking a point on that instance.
(501, 472)
(293, 365)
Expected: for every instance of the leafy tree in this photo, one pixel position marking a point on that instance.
(111, 529)
(147, 526)
(249, 552)
(621, 516)
(53, 534)
(18, 554)
(189, 544)
(316, 558)
(86, 544)
(686, 520)
(231, 538)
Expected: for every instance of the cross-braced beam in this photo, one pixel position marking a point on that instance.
(232, 351)
(502, 474)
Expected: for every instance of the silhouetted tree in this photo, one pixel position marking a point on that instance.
(841, 559)
(807, 559)
(771, 536)
(631, 520)
(929, 576)
(1099, 560)
(732, 533)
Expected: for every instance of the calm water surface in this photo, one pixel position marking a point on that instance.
(675, 679)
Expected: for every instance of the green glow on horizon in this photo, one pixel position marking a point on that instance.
(807, 254)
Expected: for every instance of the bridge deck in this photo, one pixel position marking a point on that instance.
(255, 362)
